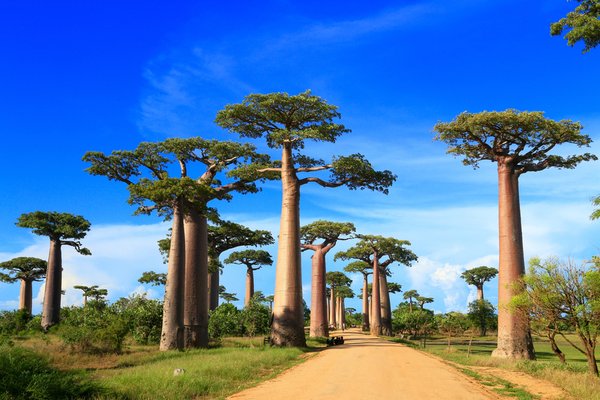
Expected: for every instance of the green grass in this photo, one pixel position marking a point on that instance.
(213, 373)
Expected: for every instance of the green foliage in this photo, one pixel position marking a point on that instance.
(26, 268)
(329, 231)
(389, 250)
(64, 227)
(283, 118)
(582, 24)
(596, 213)
(479, 275)
(256, 317)
(95, 328)
(415, 323)
(522, 138)
(143, 316)
(225, 320)
(92, 291)
(14, 322)
(358, 173)
(154, 278)
(483, 315)
(27, 375)
(337, 279)
(252, 259)
(453, 323)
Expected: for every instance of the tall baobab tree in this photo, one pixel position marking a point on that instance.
(146, 173)
(63, 229)
(320, 237)
(27, 270)
(342, 292)
(410, 295)
(362, 267)
(253, 260)
(583, 24)
(518, 142)
(336, 280)
(287, 123)
(381, 253)
(478, 276)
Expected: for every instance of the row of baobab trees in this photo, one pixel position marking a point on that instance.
(177, 178)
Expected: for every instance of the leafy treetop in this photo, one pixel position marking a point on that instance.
(153, 278)
(389, 250)
(479, 275)
(252, 259)
(520, 138)
(61, 227)
(330, 232)
(359, 267)
(337, 279)
(583, 24)
(25, 268)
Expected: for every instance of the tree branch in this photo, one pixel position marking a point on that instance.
(312, 169)
(321, 182)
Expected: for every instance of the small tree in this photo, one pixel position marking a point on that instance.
(256, 317)
(228, 297)
(557, 291)
(482, 314)
(583, 24)
(519, 142)
(253, 260)
(478, 276)
(363, 268)
(91, 291)
(453, 324)
(410, 295)
(421, 301)
(26, 270)
(63, 229)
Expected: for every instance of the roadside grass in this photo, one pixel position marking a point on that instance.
(142, 372)
(572, 377)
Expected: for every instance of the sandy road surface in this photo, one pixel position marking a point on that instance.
(366, 367)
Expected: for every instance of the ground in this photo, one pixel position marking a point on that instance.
(367, 367)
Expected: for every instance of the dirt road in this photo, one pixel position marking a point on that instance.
(366, 367)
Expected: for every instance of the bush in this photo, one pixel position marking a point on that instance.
(224, 320)
(144, 317)
(14, 322)
(255, 319)
(27, 375)
(94, 328)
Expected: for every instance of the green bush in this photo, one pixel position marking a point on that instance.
(27, 375)
(255, 318)
(14, 322)
(224, 320)
(144, 317)
(94, 328)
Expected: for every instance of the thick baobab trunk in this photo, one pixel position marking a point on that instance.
(25, 295)
(365, 304)
(195, 308)
(386, 310)
(375, 299)
(213, 290)
(249, 286)
(171, 336)
(332, 309)
(318, 298)
(288, 312)
(338, 313)
(514, 336)
(52, 290)
(480, 292)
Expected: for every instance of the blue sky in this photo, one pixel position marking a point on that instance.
(80, 76)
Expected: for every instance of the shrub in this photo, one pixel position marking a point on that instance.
(224, 320)
(144, 317)
(255, 318)
(14, 322)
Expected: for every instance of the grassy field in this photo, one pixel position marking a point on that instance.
(142, 372)
(572, 377)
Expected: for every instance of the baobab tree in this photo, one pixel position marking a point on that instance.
(26, 270)
(422, 300)
(287, 123)
(226, 296)
(478, 276)
(227, 235)
(253, 260)
(410, 295)
(336, 280)
(519, 142)
(63, 229)
(184, 199)
(582, 24)
(362, 268)
(342, 292)
(91, 291)
(320, 237)
(380, 252)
